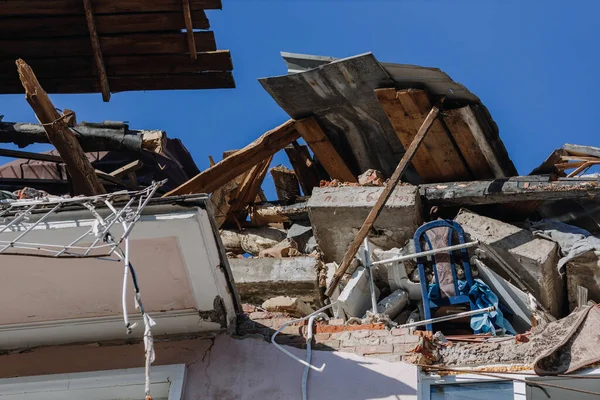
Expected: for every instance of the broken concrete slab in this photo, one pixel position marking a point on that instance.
(291, 305)
(584, 271)
(302, 234)
(393, 304)
(337, 213)
(355, 299)
(259, 279)
(518, 256)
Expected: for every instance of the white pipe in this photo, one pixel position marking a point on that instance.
(320, 310)
(309, 337)
(448, 317)
(428, 252)
(369, 265)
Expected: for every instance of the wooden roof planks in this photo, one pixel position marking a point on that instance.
(140, 43)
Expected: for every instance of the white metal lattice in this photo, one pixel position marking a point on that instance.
(103, 242)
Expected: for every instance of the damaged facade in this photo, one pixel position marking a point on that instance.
(403, 252)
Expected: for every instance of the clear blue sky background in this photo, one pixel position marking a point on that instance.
(533, 63)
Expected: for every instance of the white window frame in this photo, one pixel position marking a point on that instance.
(521, 392)
(110, 384)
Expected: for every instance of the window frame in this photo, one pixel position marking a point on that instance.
(108, 381)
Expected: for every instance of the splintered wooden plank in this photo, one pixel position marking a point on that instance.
(305, 169)
(106, 24)
(155, 64)
(128, 44)
(467, 144)
(437, 159)
(74, 7)
(82, 173)
(91, 23)
(265, 146)
(286, 184)
(318, 142)
(472, 142)
(205, 80)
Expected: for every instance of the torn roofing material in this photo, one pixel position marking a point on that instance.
(340, 94)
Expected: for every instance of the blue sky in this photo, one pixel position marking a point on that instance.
(533, 63)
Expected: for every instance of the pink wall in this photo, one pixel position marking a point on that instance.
(226, 368)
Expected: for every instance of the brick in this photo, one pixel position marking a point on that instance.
(337, 321)
(292, 330)
(387, 357)
(261, 315)
(248, 308)
(380, 333)
(329, 328)
(365, 327)
(341, 335)
(380, 349)
(347, 349)
(290, 340)
(404, 348)
(408, 339)
(279, 322)
(361, 334)
(264, 322)
(400, 331)
(319, 337)
(328, 345)
(416, 358)
(360, 342)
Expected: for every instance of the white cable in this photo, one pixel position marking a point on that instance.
(320, 310)
(309, 337)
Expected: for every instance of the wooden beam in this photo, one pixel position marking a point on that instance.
(82, 173)
(318, 142)
(112, 179)
(117, 45)
(30, 156)
(383, 197)
(305, 169)
(438, 160)
(106, 24)
(265, 146)
(587, 165)
(151, 64)
(126, 169)
(286, 184)
(189, 29)
(103, 79)
(248, 189)
(69, 7)
(507, 190)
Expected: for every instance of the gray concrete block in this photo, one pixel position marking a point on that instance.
(393, 304)
(355, 299)
(258, 279)
(337, 214)
(583, 271)
(533, 259)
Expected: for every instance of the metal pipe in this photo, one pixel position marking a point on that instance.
(428, 252)
(309, 337)
(368, 265)
(448, 317)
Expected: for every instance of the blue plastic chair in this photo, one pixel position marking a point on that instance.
(439, 299)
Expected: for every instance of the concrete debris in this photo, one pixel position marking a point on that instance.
(259, 279)
(301, 233)
(285, 248)
(393, 304)
(371, 177)
(398, 271)
(355, 299)
(291, 305)
(518, 256)
(336, 214)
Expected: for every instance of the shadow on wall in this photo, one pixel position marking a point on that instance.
(254, 369)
